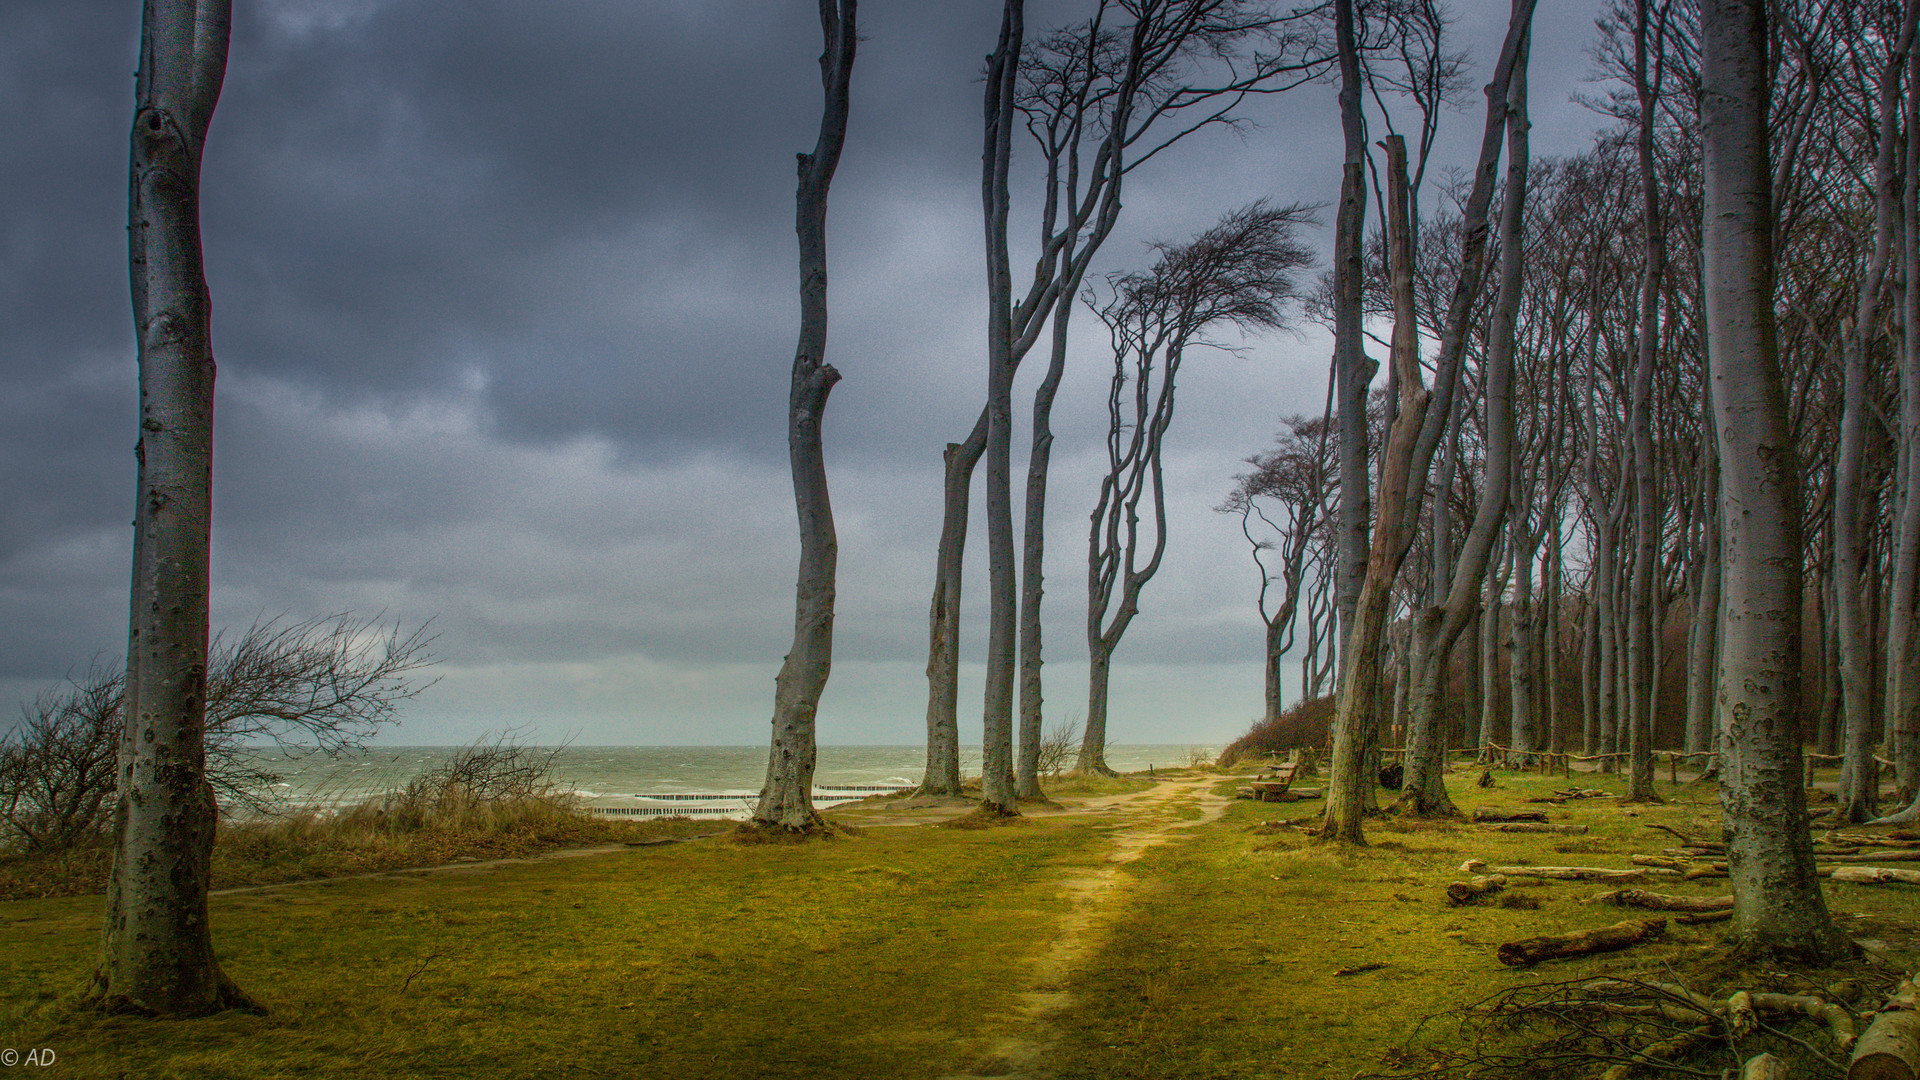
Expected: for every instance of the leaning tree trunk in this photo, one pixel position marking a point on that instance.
(156, 951)
(942, 775)
(1778, 904)
(786, 801)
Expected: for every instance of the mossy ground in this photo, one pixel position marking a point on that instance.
(1234, 949)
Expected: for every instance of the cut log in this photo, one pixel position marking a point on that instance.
(1654, 901)
(1764, 1067)
(1466, 892)
(1488, 813)
(1875, 875)
(1872, 856)
(1671, 862)
(1533, 827)
(1581, 942)
(1890, 1048)
(1569, 873)
(1696, 918)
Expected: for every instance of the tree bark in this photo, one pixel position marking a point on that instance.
(1353, 369)
(942, 776)
(1778, 904)
(1642, 632)
(996, 756)
(786, 800)
(1581, 942)
(156, 953)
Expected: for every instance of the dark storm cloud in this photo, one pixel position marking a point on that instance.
(504, 305)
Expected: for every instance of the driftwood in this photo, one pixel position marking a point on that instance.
(1581, 942)
(1569, 873)
(1466, 892)
(1890, 1049)
(1641, 898)
(1487, 813)
(1875, 875)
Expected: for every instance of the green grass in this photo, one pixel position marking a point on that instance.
(886, 954)
(1234, 949)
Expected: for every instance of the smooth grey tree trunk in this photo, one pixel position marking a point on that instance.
(1642, 633)
(1704, 652)
(156, 954)
(1778, 904)
(942, 776)
(1353, 369)
(1903, 625)
(996, 756)
(1859, 774)
(1423, 788)
(786, 800)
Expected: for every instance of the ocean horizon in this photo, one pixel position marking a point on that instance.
(617, 775)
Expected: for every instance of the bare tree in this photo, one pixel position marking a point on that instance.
(1287, 492)
(157, 949)
(1778, 905)
(1239, 273)
(787, 799)
(324, 685)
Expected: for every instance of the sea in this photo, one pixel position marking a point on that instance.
(642, 781)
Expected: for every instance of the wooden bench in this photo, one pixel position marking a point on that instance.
(1271, 786)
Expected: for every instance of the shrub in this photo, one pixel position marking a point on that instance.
(1305, 724)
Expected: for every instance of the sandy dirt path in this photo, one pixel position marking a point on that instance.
(1097, 897)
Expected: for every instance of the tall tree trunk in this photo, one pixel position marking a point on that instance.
(786, 800)
(1859, 777)
(156, 951)
(996, 755)
(942, 775)
(1903, 628)
(1642, 633)
(1353, 369)
(1778, 904)
(1033, 529)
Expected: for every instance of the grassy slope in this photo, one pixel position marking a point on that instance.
(896, 952)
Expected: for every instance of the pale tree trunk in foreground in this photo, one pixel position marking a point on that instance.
(1353, 369)
(1903, 630)
(1348, 787)
(1778, 904)
(156, 952)
(787, 799)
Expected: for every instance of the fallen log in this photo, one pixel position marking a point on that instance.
(1533, 827)
(1466, 892)
(1890, 1048)
(1487, 813)
(1696, 918)
(1580, 942)
(1875, 875)
(1654, 901)
(1872, 856)
(1671, 862)
(1764, 1067)
(1569, 873)
(1839, 1022)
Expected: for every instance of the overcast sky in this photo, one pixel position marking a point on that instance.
(504, 306)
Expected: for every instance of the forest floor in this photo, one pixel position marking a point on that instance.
(1127, 928)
